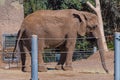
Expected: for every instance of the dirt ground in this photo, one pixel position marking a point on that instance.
(85, 69)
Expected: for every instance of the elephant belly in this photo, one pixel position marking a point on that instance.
(54, 37)
(53, 43)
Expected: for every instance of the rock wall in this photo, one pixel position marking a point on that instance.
(11, 16)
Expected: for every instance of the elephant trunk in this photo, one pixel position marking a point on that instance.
(102, 49)
(102, 52)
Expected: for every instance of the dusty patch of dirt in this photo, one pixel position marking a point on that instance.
(86, 69)
(93, 63)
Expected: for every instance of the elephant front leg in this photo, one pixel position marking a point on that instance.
(68, 63)
(70, 49)
(41, 67)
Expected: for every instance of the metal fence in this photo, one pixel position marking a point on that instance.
(117, 56)
(8, 46)
(49, 55)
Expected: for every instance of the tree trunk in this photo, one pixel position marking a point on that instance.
(101, 38)
(100, 25)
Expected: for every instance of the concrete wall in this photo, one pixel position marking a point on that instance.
(11, 16)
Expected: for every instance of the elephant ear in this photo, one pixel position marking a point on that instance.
(91, 19)
(81, 25)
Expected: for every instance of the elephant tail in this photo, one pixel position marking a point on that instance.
(19, 36)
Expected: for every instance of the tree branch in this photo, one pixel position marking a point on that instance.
(97, 9)
(91, 6)
(97, 3)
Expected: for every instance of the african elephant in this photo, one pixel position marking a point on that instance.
(57, 29)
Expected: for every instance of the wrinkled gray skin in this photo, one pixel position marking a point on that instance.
(57, 29)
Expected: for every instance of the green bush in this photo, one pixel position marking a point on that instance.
(110, 45)
(32, 5)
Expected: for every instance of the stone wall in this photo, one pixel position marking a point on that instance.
(11, 16)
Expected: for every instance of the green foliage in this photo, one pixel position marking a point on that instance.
(83, 44)
(111, 16)
(54, 4)
(32, 5)
(110, 45)
(27, 8)
(71, 4)
(41, 4)
(110, 42)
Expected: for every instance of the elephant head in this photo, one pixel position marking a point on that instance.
(89, 24)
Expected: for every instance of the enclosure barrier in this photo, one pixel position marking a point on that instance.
(34, 61)
(50, 53)
(117, 56)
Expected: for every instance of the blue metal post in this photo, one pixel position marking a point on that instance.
(94, 49)
(117, 56)
(34, 60)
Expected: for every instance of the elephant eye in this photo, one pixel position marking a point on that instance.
(94, 26)
(91, 28)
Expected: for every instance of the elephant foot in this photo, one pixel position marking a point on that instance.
(26, 69)
(42, 69)
(67, 68)
(58, 67)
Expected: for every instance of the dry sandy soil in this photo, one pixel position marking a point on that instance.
(85, 69)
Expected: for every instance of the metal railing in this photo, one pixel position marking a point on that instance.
(117, 56)
(78, 54)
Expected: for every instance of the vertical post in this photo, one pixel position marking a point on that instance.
(34, 60)
(94, 49)
(117, 56)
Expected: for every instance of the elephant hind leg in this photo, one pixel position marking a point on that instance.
(23, 56)
(41, 67)
(61, 62)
